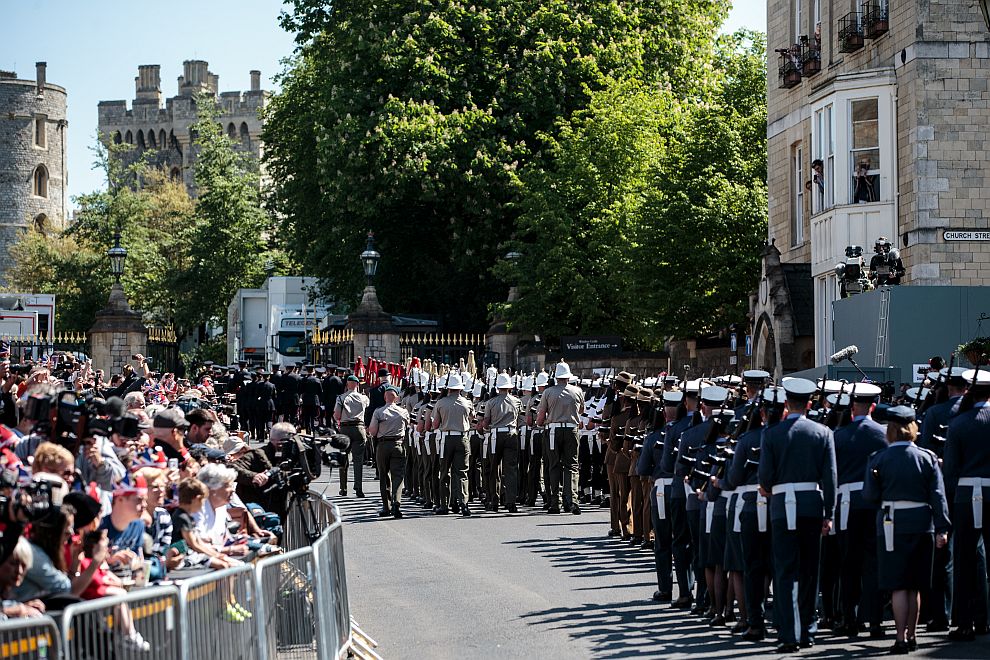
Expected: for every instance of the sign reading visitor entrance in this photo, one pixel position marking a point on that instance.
(584, 345)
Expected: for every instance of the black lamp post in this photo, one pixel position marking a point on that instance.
(370, 258)
(513, 259)
(117, 256)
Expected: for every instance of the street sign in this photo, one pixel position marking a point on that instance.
(732, 360)
(749, 345)
(577, 346)
(733, 345)
(949, 235)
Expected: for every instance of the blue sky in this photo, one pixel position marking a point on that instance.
(93, 49)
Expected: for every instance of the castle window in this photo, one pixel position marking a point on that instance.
(161, 139)
(41, 223)
(116, 138)
(129, 138)
(797, 194)
(175, 174)
(151, 139)
(140, 139)
(231, 131)
(245, 135)
(40, 133)
(40, 181)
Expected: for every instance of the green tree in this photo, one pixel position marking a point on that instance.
(650, 219)
(226, 245)
(413, 119)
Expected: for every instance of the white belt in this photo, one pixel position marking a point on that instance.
(426, 443)
(558, 425)
(709, 515)
(688, 493)
(790, 490)
(523, 432)
(661, 484)
(494, 434)
(443, 440)
(977, 484)
(888, 519)
(741, 490)
(845, 500)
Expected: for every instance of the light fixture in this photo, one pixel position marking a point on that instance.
(117, 256)
(370, 258)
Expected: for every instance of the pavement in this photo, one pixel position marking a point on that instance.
(531, 585)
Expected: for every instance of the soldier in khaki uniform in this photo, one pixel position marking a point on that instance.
(610, 422)
(349, 415)
(622, 462)
(560, 409)
(388, 427)
(451, 418)
(501, 413)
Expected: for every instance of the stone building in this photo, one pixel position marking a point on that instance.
(891, 98)
(33, 174)
(168, 131)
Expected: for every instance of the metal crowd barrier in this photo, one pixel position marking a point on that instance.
(29, 639)
(291, 606)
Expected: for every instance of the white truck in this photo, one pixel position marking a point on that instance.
(268, 326)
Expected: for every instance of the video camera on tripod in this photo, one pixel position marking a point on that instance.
(852, 273)
(66, 417)
(304, 456)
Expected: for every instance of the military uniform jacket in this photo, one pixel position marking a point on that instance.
(502, 411)
(392, 421)
(289, 392)
(671, 440)
(651, 458)
(739, 473)
(854, 444)
(692, 445)
(562, 404)
(312, 390)
(453, 413)
(332, 388)
(967, 451)
(266, 395)
(936, 425)
(798, 450)
(246, 398)
(906, 472)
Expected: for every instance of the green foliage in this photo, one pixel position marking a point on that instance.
(650, 220)
(225, 247)
(211, 350)
(413, 119)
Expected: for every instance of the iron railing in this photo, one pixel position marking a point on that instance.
(851, 32)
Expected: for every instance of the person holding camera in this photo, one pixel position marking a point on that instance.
(388, 427)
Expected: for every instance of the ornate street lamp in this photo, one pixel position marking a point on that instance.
(117, 256)
(370, 258)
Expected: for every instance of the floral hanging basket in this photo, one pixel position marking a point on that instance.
(977, 351)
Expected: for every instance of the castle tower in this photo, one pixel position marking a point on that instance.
(167, 131)
(32, 158)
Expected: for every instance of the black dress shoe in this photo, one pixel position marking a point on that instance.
(698, 610)
(384, 513)
(585, 499)
(962, 635)
(455, 507)
(636, 540)
(787, 648)
(730, 617)
(576, 510)
(512, 509)
(396, 513)
(495, 508)
(605, 503)
(899, 648)
(754, 635)
(717, 620)
(596, 501)
(427, 504)
(553, 510)
(877, 632)
(359, 494)
(466, 511)
(662, 596)
(646, 545)
(682, 603)
(807, 643)
(442, 511)
(613, 532)
(912, 644)
(343, 492)
(937, 626)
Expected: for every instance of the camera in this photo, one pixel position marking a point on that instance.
(25, 503)
(66, 417)
(852, 272)
(305, 457)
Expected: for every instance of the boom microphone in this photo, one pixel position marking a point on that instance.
(844, 354)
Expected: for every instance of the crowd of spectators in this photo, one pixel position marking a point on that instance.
(109, 485)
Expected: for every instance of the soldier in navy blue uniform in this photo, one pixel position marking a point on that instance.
(754, 380)
(936, 604)
(713, 515)
(854, 444)
(690, 453)
(651, 464)
(906, 483)
(752, 519)
(680, 541)
(967, 479)
(797, 471)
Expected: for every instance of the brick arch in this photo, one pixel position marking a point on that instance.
(231, 131)
(245, 133)
(39, 181)
(140, 140)
(129, 137)
(117, 138)
(162, 139)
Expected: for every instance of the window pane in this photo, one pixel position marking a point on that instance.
(865, 134)
(869, 158)
(864, 110)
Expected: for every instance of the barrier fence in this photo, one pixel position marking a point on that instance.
(291, 606)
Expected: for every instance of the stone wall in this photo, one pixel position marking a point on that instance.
(20, 105)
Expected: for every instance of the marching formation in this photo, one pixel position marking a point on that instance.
(801, 506)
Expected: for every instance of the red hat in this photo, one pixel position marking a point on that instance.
(125, 487)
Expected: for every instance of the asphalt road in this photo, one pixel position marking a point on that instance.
(533, 586)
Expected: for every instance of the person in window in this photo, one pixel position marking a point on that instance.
(818, 175)
(864, 192)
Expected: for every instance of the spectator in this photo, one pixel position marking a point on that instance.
(12, 572)
(189, 546)
(156, 519)
(47, 574)
(134, 401)
(54, 459)
(213, 521)
(168, 431)
(253, 470)
(125, 530)
(200, 425)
